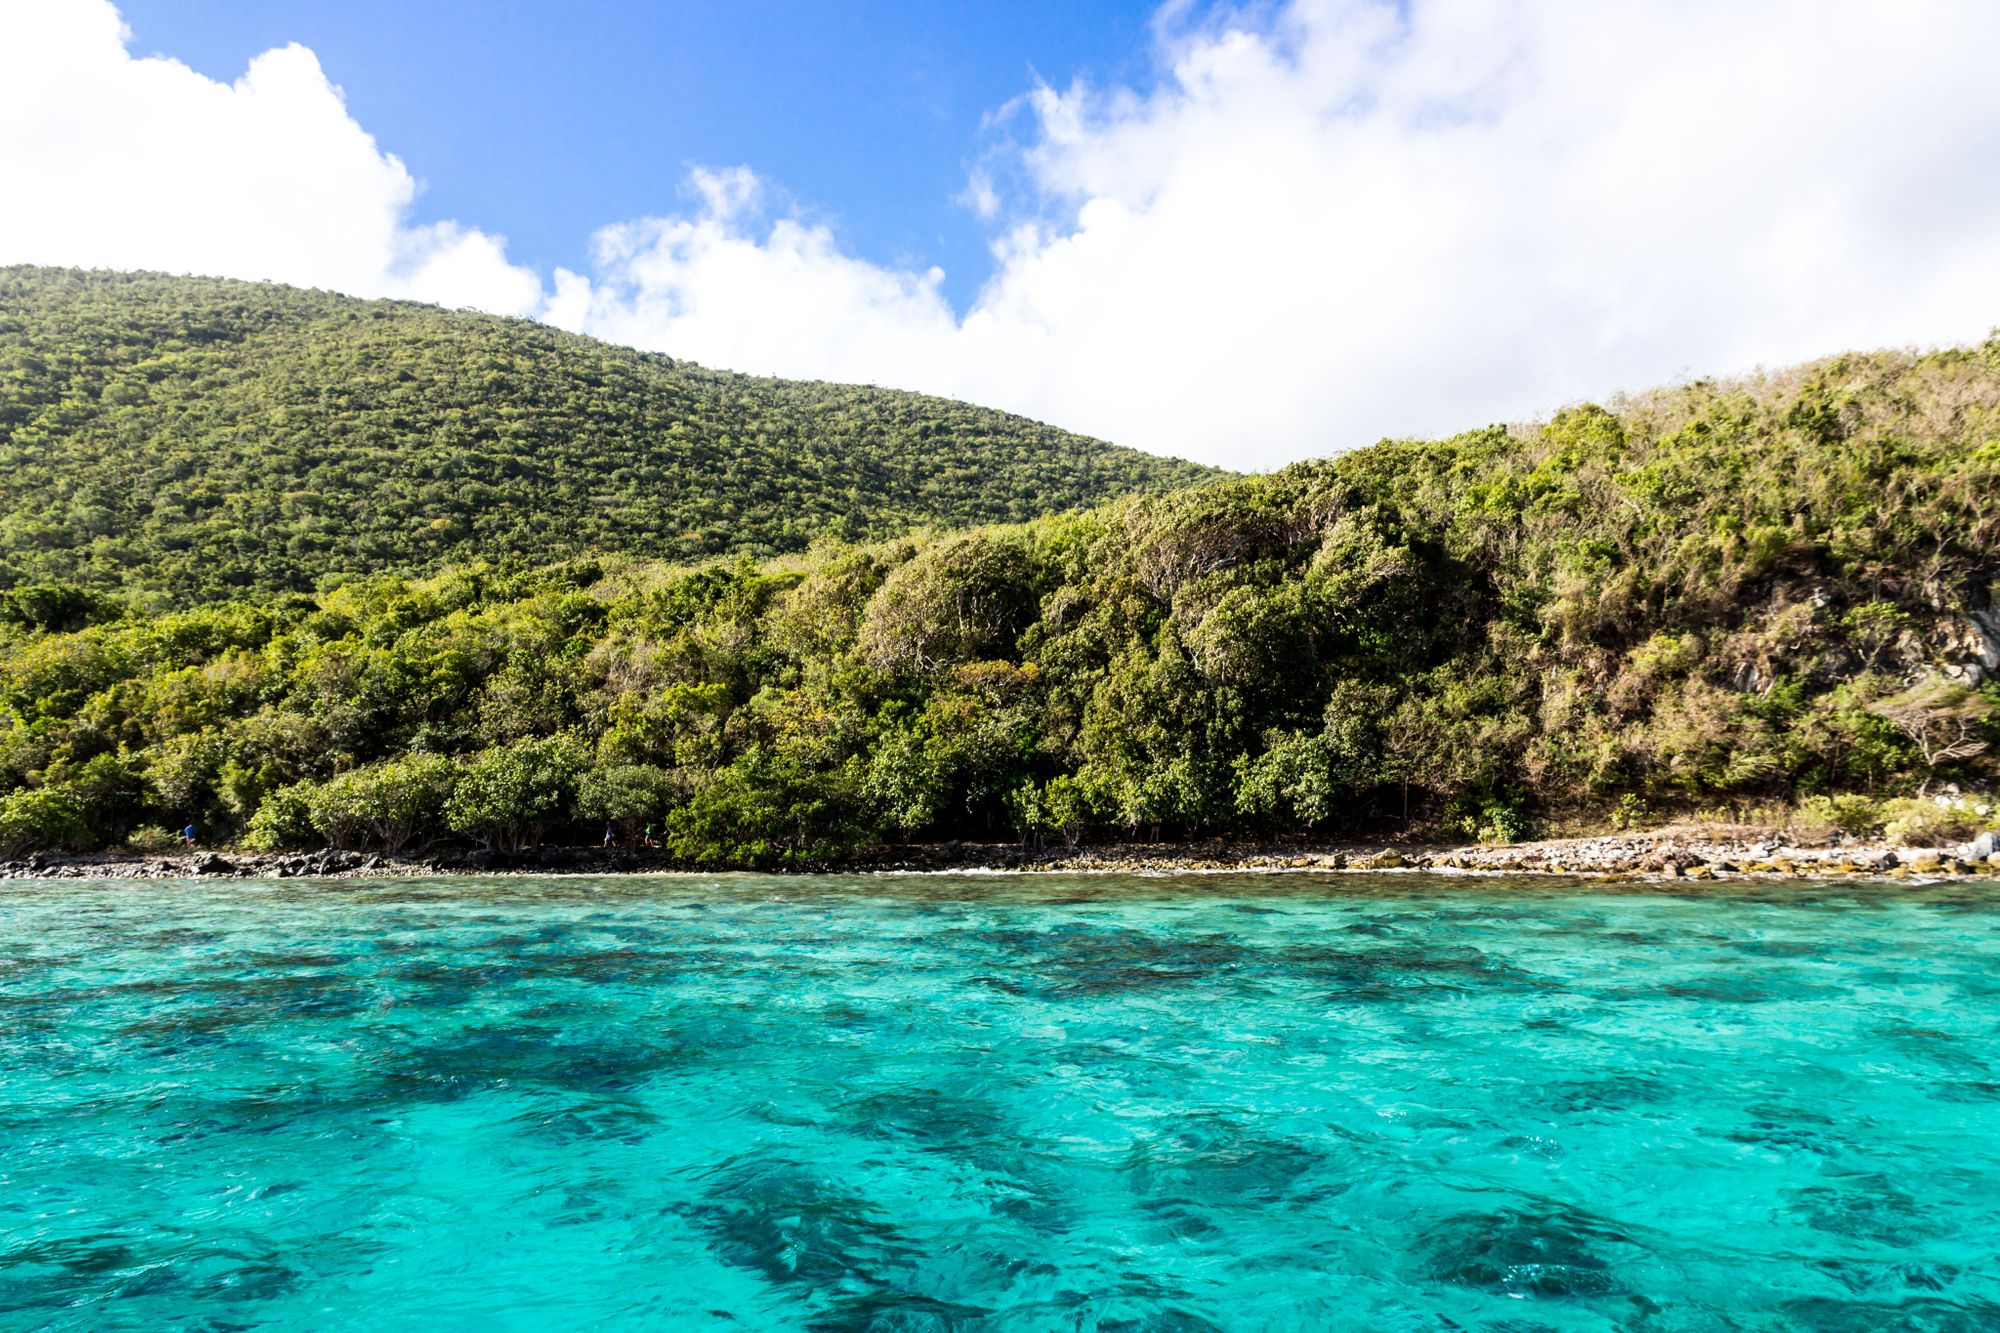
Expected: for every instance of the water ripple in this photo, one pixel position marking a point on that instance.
(927, 1102)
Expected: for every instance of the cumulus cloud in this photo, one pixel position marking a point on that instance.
(734, 285)
(1323, 222)
(1355, 218)
(115, 160)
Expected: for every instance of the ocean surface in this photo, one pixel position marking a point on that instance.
(980, 1102)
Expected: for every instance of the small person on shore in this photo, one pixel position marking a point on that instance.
(649, 835)
(607, 837)
(187, 836)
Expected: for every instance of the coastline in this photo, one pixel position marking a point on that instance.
(1679, 852)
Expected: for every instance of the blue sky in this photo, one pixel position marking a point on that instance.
(1243, 234)
(543, 122)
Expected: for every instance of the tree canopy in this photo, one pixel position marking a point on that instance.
(1769, 590)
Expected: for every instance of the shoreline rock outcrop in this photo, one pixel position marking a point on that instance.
(1681, 852)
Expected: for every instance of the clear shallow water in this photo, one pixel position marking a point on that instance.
(929, 1103)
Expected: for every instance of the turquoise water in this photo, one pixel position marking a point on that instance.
(962, 1102)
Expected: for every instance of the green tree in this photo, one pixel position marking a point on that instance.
(630, 796)
(1945, 719)
(383, 805)
(283, 821)
(509, 796)
(39, 818)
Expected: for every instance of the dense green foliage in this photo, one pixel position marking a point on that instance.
(1723, 593)
(206, 437)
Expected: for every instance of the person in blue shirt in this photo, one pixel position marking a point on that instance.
(187, 835)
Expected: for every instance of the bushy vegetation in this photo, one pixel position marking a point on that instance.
(1726, 593)
(205, 437)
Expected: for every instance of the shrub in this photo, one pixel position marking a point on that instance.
(725, 820)
(39, 820)
(1944, 719)
(383, 805)
(1631, 812)
(283, 820)
(628, 795)
(180, 773)
(768, 806)
(1923, 822)
(151, 838)
(959, 599)
(109, 790)
(905, 784)
(1293, 781)
(1026, 814)
(56, 607)
(1493, 819)
(1071, 804)
(508, 796)
(1857, 816)
(1502, 821)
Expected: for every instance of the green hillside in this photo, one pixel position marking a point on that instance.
(1722, 597)
(201, 436)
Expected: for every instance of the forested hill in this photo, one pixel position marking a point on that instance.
(201, 436)
(1722, 597)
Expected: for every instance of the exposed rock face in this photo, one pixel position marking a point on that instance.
(1986, 635)
(1980, 848)
(1972, 645)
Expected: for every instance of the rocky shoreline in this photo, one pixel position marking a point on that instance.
(1686, 852)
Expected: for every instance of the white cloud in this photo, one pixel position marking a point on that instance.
(1329, 221)
(117, 161)
(1357, 218)
(730, 286)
